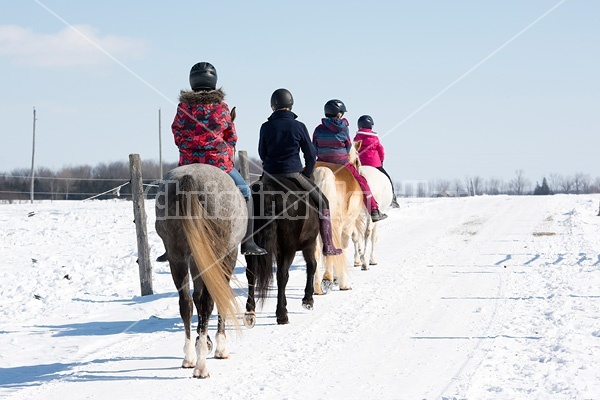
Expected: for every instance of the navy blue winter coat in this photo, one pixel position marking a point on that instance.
(281, 139)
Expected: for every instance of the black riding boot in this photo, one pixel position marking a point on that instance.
(377, 215)
(249, 248)
(326, 236)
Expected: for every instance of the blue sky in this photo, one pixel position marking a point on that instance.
(414, 66)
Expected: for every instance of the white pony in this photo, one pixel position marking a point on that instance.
(365, 229)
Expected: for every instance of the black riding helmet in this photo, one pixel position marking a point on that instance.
(365, 121)
(334, 107)
(203, 76)
(282, 98)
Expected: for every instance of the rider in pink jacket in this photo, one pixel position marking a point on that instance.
(371, 151)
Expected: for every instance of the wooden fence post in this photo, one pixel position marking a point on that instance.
(244, 169)
(139, 213)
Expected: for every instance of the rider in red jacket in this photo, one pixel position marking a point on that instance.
(204, 133)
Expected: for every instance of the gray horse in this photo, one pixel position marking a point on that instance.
(201, 218)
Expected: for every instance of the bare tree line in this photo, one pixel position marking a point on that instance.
(579, 183)
(75, 182)
(84, 181)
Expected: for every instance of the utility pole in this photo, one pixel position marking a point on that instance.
(160, 146)
(33, 158)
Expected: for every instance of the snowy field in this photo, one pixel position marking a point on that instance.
(473, 298)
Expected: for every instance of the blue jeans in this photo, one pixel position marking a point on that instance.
(240, 182)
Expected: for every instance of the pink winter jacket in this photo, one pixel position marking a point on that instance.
(371, 151)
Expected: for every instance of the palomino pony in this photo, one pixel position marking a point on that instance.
(201, 218)
(346, 203)
(284, 223)
(365, 228)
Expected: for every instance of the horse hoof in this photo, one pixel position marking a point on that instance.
(357, 264)
(283, 320)
(364, 268)
(188, 364)
(326, 286)
(250, 320)
(346, 288)
(372, 263)
(309, 305)
(222, 355)
(201, 374)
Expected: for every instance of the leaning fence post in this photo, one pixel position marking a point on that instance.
(244, 170)
(139, 213)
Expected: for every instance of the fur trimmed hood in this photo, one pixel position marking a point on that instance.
(202, 97)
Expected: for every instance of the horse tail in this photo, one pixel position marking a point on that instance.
(266, 237)
(208, 248)
(339, 261)
(325, 178)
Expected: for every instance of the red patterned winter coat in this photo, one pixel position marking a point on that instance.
(203, 129)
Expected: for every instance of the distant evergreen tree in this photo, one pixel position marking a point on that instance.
(543, 190)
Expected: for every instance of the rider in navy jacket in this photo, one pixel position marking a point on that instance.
(280, 151)
(282, 138)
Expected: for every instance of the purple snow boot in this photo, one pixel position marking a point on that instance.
(326, 236)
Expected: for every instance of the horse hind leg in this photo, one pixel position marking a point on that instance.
(221, 351)
(367, 236)
(283, 275)
(340, 267)
(311, 267)
(318, 290)
(204, 304)
(327, 281)
(180, 275)
(359, 248)
(373, 260)
(323, 281)
(202, 342)
(250, 315)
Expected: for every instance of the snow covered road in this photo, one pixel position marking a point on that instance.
(492, 297)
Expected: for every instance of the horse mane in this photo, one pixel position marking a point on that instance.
(353, 154)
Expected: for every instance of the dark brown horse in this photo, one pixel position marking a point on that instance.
(285, 222)
(201, 218)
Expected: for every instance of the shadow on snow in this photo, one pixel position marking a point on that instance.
(36, 375)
